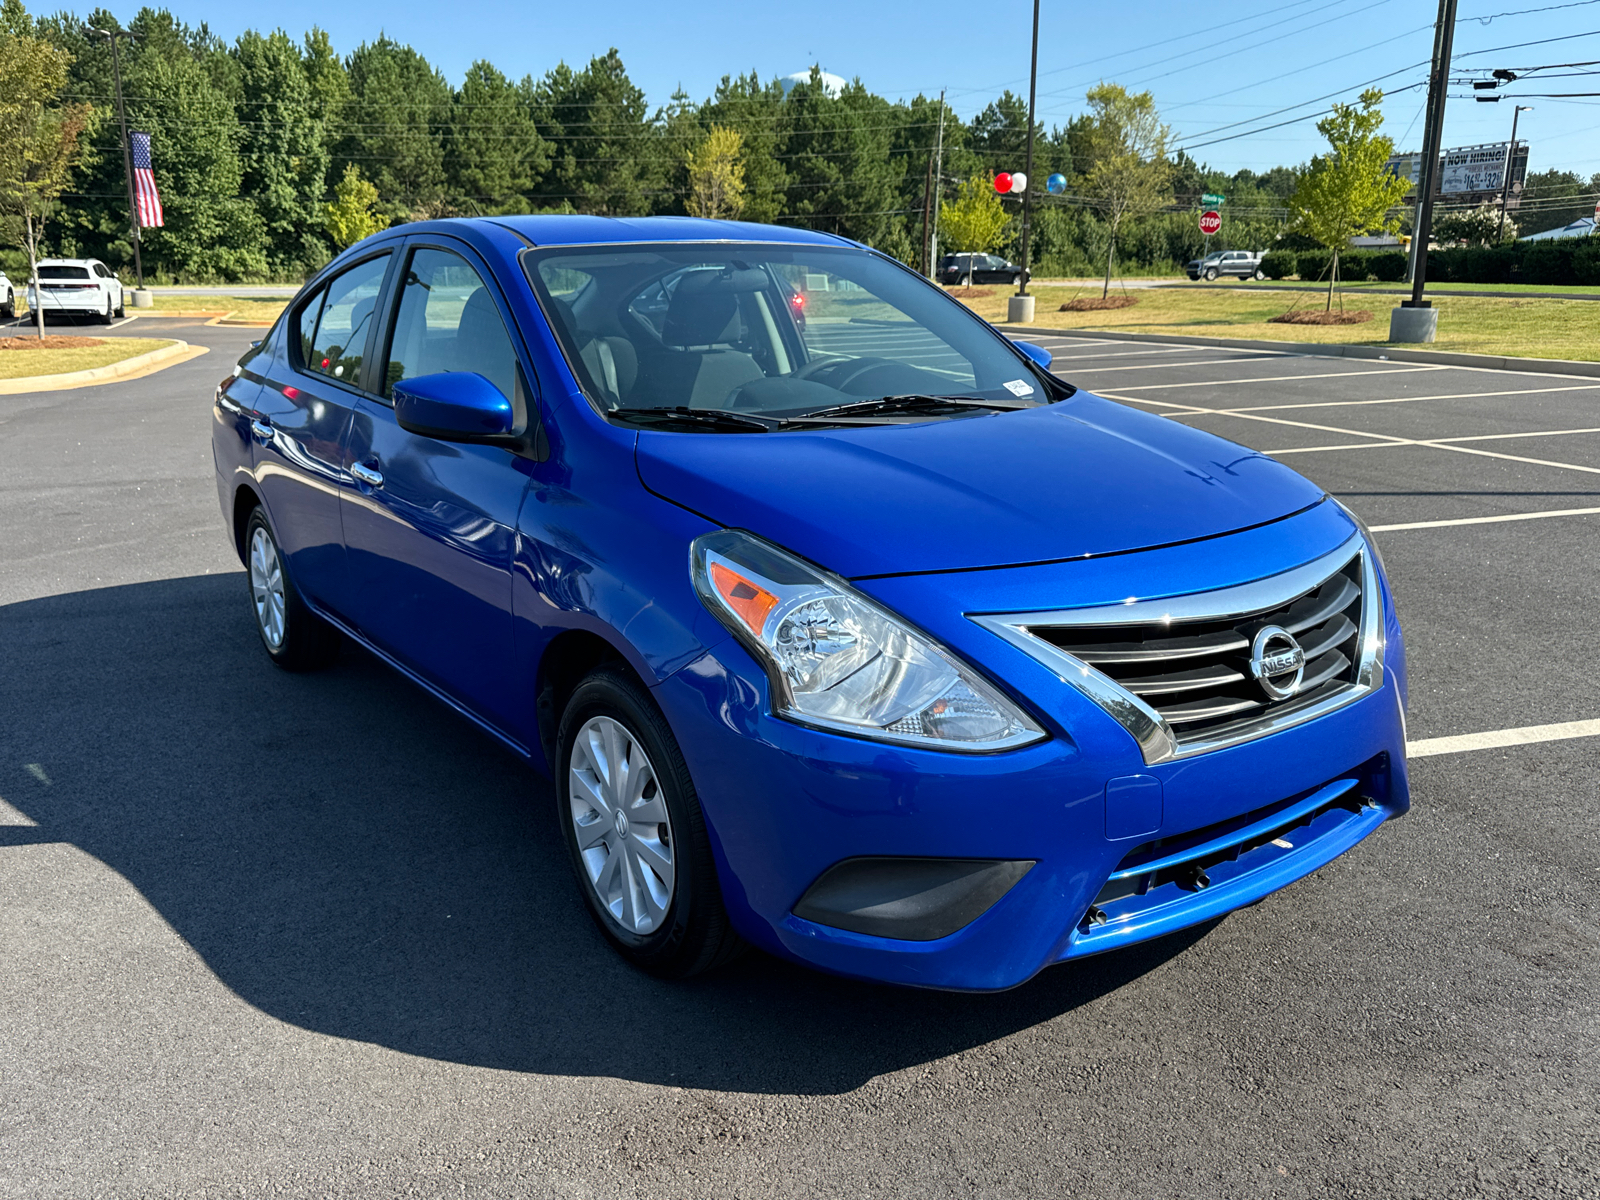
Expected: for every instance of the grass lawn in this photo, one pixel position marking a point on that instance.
(1565, 289)
(19, 364)
(238, 308)
(1532, 328)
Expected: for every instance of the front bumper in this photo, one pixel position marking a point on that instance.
(785, 804)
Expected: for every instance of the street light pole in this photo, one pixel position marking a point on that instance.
(1444, 41)
(112, 35)
(1027, 192)
(1511, 162)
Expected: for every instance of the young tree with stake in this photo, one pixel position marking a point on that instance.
(974, 222)
(1347, 192)
(716, 175)
(1129, 174)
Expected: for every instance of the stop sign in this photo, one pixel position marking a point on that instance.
(1210, 221)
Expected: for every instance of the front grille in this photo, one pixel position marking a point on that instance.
(1196, 674)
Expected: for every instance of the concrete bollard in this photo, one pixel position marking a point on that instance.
(1413, 324)
(1019, 310)
(142, 298)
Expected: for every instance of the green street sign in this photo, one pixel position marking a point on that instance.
(1213, 199)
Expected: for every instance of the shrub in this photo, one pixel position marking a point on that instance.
(1312, 264)
(1388, 266)
(1276, 264)
(1586, 261)
(1484, 264)
(1551, 262)
(1355, 266)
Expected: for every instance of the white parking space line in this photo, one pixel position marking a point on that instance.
(1441, 442)
(1526, 736)
(119, 321)
(1380, 438)
(1525, 516)
(1167, 366)
(1069, 360)
(1582, 387)
(1148, 387)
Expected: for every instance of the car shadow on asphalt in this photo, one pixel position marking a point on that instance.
(351, 857)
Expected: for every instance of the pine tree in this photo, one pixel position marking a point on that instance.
(284, 156)
(394, 124)
(494, 155)
(607, 158)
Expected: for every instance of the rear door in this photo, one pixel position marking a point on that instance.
(430, 526)
(301, 417)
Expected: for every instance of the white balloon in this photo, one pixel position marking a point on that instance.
(1019, 182)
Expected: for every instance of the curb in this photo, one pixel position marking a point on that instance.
(1442, 358)
(140, 364)
(1376, 291)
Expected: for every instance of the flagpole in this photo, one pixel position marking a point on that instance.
(127, 162)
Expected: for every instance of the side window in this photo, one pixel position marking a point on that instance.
(305, 325)
(346, 318)
(447, 321)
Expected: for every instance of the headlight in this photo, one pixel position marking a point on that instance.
(838, 661)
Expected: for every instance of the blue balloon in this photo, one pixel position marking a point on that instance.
(1057, 184)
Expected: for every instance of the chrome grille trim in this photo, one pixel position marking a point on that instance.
(1159, 739)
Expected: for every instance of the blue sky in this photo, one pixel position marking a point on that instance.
(1209, 65)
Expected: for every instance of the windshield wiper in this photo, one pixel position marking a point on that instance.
(911, 403)
(704, 418)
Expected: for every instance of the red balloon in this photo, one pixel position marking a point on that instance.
(1002, 182)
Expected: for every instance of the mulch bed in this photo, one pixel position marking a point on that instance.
(1302, 316)
(1098, 304)
(971, 293)
(50, 341)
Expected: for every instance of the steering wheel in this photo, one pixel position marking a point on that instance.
(840, 374)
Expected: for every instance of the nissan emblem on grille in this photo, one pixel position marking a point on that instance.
(1277, 662)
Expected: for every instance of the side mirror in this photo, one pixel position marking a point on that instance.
(1039, 354)
(454, 406)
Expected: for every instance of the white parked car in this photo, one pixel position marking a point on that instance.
(78, 285)
(8, 297)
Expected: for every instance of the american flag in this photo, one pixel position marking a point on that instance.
(146, 200)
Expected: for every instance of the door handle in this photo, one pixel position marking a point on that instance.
(261, 430)
(367, 475)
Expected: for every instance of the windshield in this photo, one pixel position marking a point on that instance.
(768, 332)
(63, 272)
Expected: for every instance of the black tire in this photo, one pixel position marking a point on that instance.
(105, 318)
(1259, 275)
(122, 305)
(304, 641)
(694, 934)
(1211, 274)
(8, 310)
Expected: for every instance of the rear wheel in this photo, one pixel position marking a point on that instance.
(635, 832)
(1259, 275)
(294, 637)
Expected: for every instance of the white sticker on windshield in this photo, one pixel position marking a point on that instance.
(1018, 387)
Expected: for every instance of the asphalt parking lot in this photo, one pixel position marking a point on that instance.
(315, 936)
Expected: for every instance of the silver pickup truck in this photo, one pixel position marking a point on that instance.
(1241, 264)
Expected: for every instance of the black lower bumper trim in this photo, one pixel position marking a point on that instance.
(913, 899)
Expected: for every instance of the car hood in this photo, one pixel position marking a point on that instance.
(1079, 478)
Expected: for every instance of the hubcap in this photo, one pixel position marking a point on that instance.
(266, 587)
(621, 821)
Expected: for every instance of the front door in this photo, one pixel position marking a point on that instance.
(430, 526)
(299, 421)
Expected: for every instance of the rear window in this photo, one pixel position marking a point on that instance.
(63, 272)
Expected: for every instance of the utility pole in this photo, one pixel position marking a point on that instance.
(1511, 162)
(1423, 174)
(112, 36)
(1027, 194)
(927, 210)
(938, 190)
(1416, 320)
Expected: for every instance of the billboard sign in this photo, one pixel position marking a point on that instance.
(1474, 169)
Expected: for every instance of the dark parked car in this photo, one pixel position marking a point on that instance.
(984, 268)
(1240, 264)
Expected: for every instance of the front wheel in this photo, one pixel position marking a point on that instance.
(105, 318)
(1211, 274)
(294, 637)
(635, 832)
(122, 305)
(9, 308)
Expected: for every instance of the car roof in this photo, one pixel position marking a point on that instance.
(581, 230)
(67, 262)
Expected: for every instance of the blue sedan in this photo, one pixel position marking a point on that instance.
(842, 626)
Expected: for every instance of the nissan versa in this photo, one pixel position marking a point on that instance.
(842, 626)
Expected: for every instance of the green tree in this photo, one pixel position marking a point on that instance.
(755, 111)
(716, 175)
(284, 154)
(975, 220)
(1551, 199)
(394, 122)
(351, 217)
(843, 175)
(38, 134)
(494, 155)
(1347, 192)
(607, 158)
(1128, 174)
